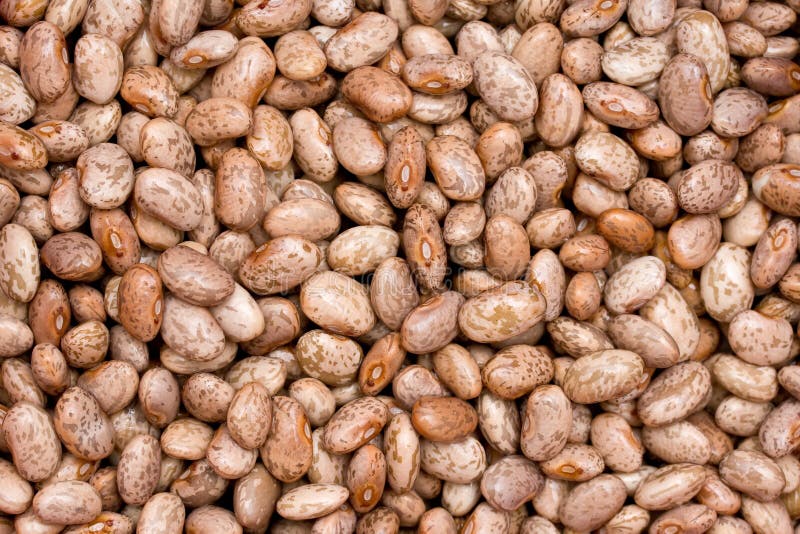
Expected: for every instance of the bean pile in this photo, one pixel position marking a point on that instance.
(394, 266)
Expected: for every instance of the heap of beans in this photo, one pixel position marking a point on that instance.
(364, 266)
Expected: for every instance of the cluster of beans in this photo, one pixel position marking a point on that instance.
(393, 266)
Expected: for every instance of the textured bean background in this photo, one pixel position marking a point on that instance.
(395, 266)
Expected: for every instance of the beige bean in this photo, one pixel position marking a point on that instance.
(669, 486)
(753, 473)
(83, 426)
(352, 315)
(197, 486)
(578, 339)
(670, 311)
(67, 503)
(690, 382)
(227, 458)
(194, 277)
(159, 396)
(621, 371)
(186, 439)
(443, 418)
(163, 512)
(498, 74)
(684, 94)
(545, 427)
(218, 119)
(405, 167)
(433, 324)
(247, 75)
(636, 61)
(155, 188)
(138, 469)
(756, 349)
(460, 461)
(265, 272)
(617, 169)
(287, 452)
(580, 511)
(456, 168)
(19, 494)
(44, 62)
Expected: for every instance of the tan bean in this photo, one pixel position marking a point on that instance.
(496, 73)
(355, 424)
(67, 503)
(405, 167)
(391, 100)
(460, 461)
(753, 473)
(194, 277)
(156, 188)
(621, 371)
(198, 486)
(670, 486)
(433, 324)
(163, 512)
(247, 74)
(287, 450)
(690, 382)
(456, 168)
(685, 94)
(83, 426)
(579, 510)
(545, 426)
